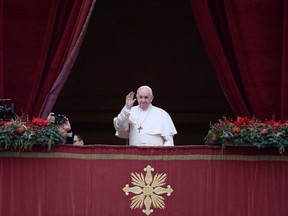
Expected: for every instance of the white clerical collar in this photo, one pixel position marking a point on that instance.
(141, 110)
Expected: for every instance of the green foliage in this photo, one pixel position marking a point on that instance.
(21, 134)
(251, 131)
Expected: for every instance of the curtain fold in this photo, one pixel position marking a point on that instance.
(215, 52)
(37, 38)
(72, 51)
(245, 42)
(284, 78)
(1, 52)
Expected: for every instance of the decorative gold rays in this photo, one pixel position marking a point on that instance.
(148, 190)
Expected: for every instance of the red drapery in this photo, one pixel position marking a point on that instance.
(72, 51)
(247, 44)
(89, 180)
(36, 40)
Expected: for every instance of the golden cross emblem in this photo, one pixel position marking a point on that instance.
(148, 190)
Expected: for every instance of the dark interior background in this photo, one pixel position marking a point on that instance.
(130, 43)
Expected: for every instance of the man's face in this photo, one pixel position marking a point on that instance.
(144, 98)
(77, 140)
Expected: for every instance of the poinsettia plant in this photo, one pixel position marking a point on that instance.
(251, 131)
(21, 133)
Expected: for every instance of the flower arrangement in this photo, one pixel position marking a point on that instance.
(251, 131)
(22, 134)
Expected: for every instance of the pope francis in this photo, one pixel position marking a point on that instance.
(144, 124)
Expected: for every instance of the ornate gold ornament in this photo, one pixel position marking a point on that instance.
(148, 190)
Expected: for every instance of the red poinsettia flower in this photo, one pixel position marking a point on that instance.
(245, 121)
(275, 125)
(39, 122)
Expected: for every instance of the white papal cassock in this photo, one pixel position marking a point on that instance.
(151, 127)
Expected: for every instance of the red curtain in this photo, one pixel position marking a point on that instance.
(36, 39)
(72, 51)
(247, 44)
(89, 180)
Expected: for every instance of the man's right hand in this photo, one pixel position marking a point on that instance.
(130, 100)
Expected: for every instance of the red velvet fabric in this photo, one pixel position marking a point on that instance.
(88, 180)
(247, 44)
(72, 50)
(36, 38)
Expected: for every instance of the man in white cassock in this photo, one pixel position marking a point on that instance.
(144, 124)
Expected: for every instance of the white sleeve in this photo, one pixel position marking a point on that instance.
(121, 122)
(169, 141)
